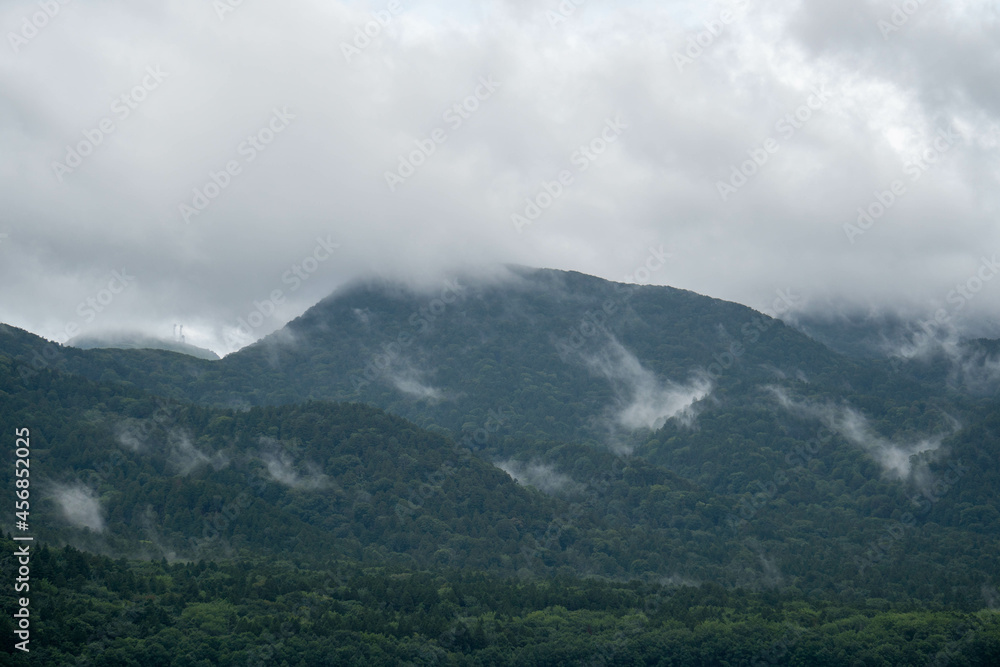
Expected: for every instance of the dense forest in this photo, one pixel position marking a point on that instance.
(549, 470)
(92, 610)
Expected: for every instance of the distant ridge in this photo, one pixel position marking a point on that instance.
(133, 340)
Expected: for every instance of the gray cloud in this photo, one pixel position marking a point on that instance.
(321, 180)
(977, 370)
(132, 434)
(849, 423)
(542, 476)
(80, 505)
(282, 467)
(414, 387)
(407, 378)
(185, 457)
(644, 401)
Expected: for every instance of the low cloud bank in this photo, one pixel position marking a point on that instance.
(894, 457)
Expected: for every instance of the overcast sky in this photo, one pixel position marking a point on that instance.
(118, 122)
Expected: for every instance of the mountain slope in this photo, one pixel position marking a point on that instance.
(673, 436)
(562, 355)
(120, 472)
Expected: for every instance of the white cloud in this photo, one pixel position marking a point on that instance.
(132, 434)
(410, 385)
(644, 401)
(80, 506)
(185, 457)
(849, 423)
(542, 476)
(324, 174)
(282, 468)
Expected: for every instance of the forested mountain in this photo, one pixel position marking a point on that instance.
(564, 355)
(540, 427)
(138, 341)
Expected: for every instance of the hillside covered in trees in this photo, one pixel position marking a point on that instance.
(518, 480)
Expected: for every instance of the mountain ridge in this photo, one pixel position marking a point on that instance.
(645, 459)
